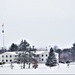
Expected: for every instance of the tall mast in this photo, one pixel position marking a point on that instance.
(3, 34)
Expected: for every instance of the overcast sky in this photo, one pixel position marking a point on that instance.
(40, 22)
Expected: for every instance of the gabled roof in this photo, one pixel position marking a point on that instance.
(13, 53)
(41, 52)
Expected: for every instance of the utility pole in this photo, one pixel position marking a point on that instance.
(3, 34)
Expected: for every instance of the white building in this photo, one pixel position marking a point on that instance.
(42, 56)
(8, 57)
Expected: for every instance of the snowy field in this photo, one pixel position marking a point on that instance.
(42, 69)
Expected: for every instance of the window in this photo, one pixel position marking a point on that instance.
(10, 60)
(10, 55)
(6, 60)
(46, 55)
(42, 55)
(2, 56)
(6, 56)
(15, 55)
(42, 60)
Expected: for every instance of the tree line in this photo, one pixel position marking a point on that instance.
(27, 56)
(66, 54)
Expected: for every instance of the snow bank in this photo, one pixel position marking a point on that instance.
(42, 69)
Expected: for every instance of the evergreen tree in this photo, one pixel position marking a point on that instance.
(13, 47)
(31, 55)
(28, 52)
(51, 60)
(24, 45)
(73, 52)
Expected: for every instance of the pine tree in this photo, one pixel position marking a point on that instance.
(51, 60)
(27, 55)
(24, 45)
(13, 47)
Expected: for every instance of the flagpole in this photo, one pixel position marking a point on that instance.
(3, 34)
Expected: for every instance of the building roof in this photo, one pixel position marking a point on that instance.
(13, 53)
(40, 52)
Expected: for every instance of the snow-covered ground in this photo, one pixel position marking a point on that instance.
(42, 69)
